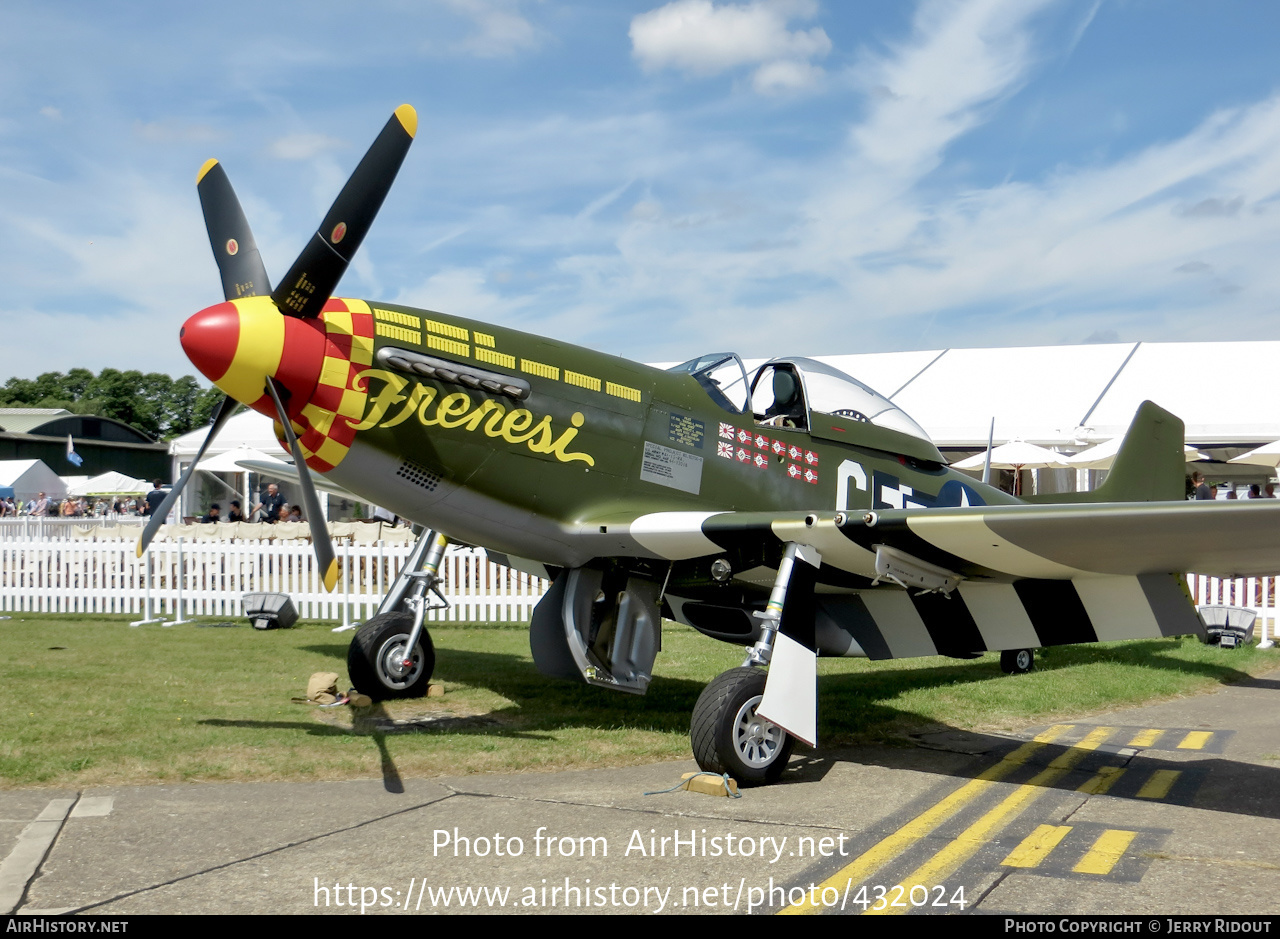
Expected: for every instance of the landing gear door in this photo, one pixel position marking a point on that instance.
(604, 627)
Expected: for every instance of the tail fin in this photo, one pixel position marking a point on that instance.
(1149, 467)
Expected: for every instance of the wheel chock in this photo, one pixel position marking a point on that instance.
(709, 784)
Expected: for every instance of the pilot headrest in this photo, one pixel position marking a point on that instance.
(784, 387)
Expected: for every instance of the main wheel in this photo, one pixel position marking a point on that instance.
(1017, 661)
(729, 737)
(375, 660)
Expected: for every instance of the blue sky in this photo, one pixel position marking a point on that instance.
(657, 180)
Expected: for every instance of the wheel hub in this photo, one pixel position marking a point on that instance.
(757, 740)
(391, 663)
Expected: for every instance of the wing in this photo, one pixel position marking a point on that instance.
(1001, 543)
(1019, 576)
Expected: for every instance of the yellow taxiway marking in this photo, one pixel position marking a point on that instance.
(1102, 780)
(1036, 846)
(1195, 740)
(969, 841)
(1146, 738)
(1106, 852)
(892, 845)
(1158, 786)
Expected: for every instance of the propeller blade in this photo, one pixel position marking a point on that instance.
(320, 540)
(315, 275)
(225, 410)
(239, 263)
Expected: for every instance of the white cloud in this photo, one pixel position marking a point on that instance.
(500, 28)
(303, 146)
(784, 76)
(934, 88)
(697, 37)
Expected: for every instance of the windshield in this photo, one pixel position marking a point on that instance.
(723, 376)
(831, 391)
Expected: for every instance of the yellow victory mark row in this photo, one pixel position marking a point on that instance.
(459, 410)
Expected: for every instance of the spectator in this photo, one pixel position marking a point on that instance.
(154, 498)
(271, 503)
(1201, 487)
(214, 516)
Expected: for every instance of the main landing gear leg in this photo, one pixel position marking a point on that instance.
(391, 655)
(727, 734)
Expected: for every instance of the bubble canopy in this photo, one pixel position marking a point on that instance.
(825, 389)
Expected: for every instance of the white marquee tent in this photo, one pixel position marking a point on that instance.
(29, 478)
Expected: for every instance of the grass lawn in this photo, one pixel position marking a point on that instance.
(89, 700)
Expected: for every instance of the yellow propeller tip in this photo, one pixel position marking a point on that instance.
(408, 119)
(140, 549)
(208, 165)
(331, 576)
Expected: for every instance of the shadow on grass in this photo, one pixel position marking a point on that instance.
(863, 707)
(854, 706)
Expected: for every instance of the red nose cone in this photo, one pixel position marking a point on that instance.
(209, 338)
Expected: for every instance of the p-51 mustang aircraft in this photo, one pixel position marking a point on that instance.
(795, 512)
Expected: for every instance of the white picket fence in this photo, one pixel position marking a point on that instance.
(52, 575)
(209, 579)
(51, 528)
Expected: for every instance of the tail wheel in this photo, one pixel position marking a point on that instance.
(375, 660)
(729, 737)
(1017, 661)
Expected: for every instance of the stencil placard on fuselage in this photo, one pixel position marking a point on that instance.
(672, 468)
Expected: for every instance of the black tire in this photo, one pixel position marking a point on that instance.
(372, 658)
(1017, 661)
(727, 736)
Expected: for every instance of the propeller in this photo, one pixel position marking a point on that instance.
(314, 276)
(320, 541)
(239, 263)
(303, 292)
